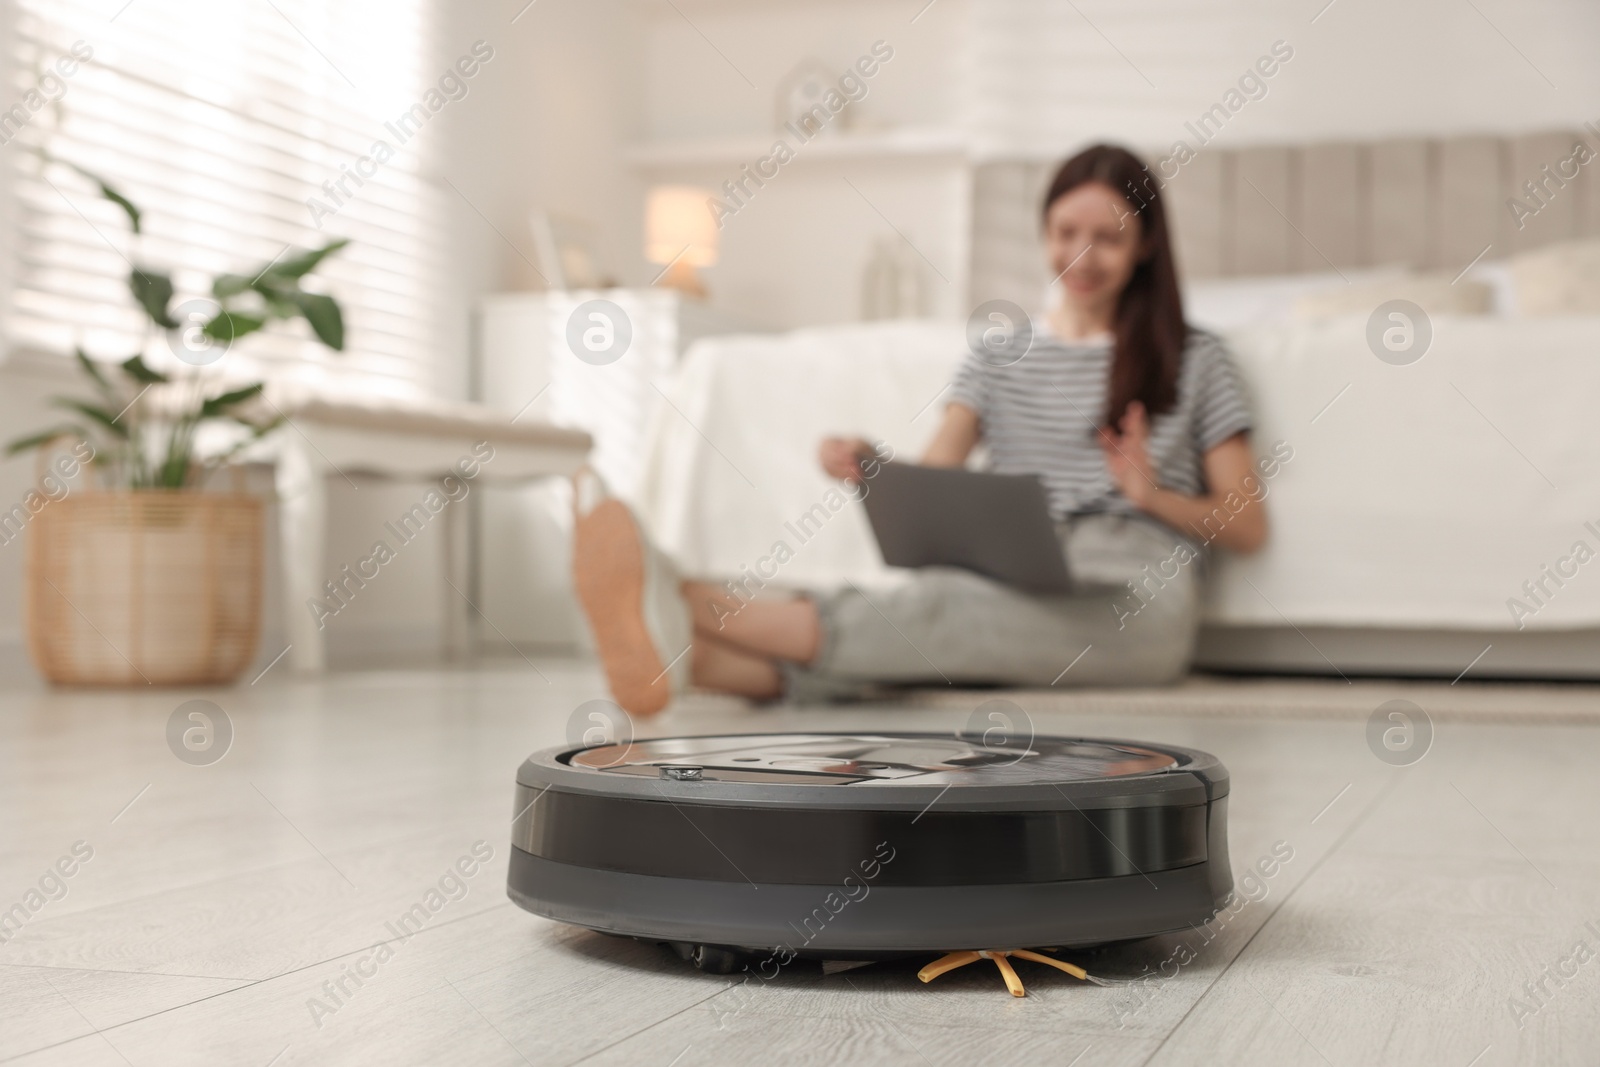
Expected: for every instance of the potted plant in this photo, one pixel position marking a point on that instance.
(145, 576)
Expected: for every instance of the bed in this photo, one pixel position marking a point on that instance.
(1438, 517)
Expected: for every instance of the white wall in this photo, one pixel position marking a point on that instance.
(1045, 76)
(551, 116)
(712, 68)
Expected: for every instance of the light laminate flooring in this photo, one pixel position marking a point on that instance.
(1422, 904)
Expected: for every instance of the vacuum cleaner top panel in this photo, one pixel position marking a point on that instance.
(884, 771)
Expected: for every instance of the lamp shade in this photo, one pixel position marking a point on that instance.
(677, 223)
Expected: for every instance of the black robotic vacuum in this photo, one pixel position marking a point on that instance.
(871, 845)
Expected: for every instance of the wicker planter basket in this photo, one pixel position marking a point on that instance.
(150, 586)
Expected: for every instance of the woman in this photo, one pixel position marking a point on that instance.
(1139, 429)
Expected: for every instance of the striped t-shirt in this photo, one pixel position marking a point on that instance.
(1039, 416)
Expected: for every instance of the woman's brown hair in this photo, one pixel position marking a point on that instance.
(1149, 327)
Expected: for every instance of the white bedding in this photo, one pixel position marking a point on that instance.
(734, 457)
(1417, 496)
(1425, 495)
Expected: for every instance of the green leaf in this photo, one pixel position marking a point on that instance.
(228, 325)
(256, 433)
(153, 291)
(104, 416)
(226, 285)
(322, 312)
(112, 195)
(123, 202)
(92, 369)
(277, 306)
(174, 466)
(134, 367)
(44, 437)
(106, 190)
(259, 428)
(303, 264)
(217, 405)
(175, 471)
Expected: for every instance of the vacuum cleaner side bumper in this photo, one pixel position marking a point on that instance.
(861, 920)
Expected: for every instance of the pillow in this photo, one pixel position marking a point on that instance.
(1560, 279)
(1230, 303)
(1436, 294)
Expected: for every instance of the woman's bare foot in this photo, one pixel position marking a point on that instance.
(634, 612)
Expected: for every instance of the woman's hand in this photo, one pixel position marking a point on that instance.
(1128, 456)
(1228, 514)
(841, 456)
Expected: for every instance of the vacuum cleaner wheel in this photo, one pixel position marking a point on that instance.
(868, 846)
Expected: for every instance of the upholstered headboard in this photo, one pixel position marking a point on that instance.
(1298, 208)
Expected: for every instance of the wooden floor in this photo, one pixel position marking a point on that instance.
(1421, 905)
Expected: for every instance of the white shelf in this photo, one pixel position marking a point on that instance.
(905, 143)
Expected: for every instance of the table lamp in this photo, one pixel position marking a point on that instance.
(681, 234)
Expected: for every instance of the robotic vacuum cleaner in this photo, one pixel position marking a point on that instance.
(871, 846)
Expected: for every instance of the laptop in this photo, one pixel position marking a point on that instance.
(997, 525)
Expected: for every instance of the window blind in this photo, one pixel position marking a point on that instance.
(223, 122)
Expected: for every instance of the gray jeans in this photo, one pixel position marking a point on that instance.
(1131, 620)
